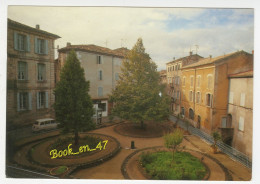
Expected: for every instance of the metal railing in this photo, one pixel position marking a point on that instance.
(230, 151)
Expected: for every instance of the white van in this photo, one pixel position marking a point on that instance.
(44, 124)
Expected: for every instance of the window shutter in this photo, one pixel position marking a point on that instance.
(15, 41)
(18, 101)
(35, 45)
(100, 91)
(30, 101)
(38, 100)
(231, 97)
(26, 71)
(46, 100)
(28, 44)
(46, 47)
(241, 124)
(242, 99)
(211, 100)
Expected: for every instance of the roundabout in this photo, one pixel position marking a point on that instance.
(37, 155)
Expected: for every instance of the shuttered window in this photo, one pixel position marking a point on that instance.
(100, 91)
(41, 72)
(42, 100)
(100, 75)
(21, 42)
(24, 101)
(231, 97)
(241, 124)
(40, 46)
(22, 70)
(116, 76)
(242, 99)
(99, 59)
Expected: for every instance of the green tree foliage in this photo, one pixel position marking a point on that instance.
(136, 96)
(216, 137)
(73, 105)
(173, 140)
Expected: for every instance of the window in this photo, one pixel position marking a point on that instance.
(41, 46)
(21, 42)
(184, 78)
(198, 97)
(191, 96)
(178, 94)
(99, 59)
(231, 97)
(176, 67)
(242, 99)
(241, 124)
(183, 111)
(209, 100)
(41, 72)
(209, 82)
(191, 114)
(102, 106)
(116, 76)
(179, 66)
(224, 122)
(100, 75)
(22, 70)
(24, 101)
(100, 91)
(42, 100)
(172, 68)
(198, 81)
(191, 81)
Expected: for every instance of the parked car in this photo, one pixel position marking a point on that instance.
(44, 124)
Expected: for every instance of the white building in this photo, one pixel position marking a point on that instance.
(102, 69)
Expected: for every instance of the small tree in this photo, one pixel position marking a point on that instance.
(173, 140)
(73, 106)
(216, 137)
(136, 96)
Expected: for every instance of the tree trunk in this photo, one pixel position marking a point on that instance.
(142, 124)
(76, 137)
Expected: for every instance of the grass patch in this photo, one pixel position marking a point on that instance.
(160, 165)
(59, 170)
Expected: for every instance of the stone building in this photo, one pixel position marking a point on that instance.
(205, 86)
(30, 74)
(174, 74)
(102, 69)
(163, 76)
(238, 124)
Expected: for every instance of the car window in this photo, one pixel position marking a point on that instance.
(36, 122)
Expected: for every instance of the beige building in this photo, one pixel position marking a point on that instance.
(240, 112)
(173, 74)
(163, 76)
(102, 69)
(30, 74)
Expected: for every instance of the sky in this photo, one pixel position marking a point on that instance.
(166, 32)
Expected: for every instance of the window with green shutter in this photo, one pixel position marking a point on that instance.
(24, 101)
(21, 42)
(40, 46)
(41, 72)
(22, 70)
(100, 91)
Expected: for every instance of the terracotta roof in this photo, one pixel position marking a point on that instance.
(210, 60)
(190, 57)
(96, 49)
(14, 24)
(162, 72)
(242, 74)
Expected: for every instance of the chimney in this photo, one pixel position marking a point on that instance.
(37, 26)
(253, 52)
(68, 44)
(190, 53)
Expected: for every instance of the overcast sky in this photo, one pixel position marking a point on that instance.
(166, 32)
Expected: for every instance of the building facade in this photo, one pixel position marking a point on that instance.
(174, 74)
(240, 112)
(205, 88)
(30, 74)
(102, 69)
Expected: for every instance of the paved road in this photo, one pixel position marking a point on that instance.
(16, 172)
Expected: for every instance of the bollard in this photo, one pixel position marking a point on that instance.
(132, 144)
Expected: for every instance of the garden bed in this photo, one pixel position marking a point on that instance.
(160, 165)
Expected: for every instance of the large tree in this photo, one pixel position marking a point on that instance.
(139, 95)
(73, 105)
